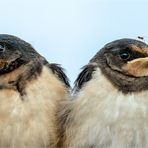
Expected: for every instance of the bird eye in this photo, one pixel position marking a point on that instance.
(2, 48)
(124, 55)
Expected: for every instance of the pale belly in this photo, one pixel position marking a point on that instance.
(25, 123)
(31, 123)
(121, 123)
(106, 118)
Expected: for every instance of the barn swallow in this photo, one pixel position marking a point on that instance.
(30, 91)
(109, 108)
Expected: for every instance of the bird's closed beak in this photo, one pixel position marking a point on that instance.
(137, 67)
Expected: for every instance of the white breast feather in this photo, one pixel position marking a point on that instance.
(106, 118)
(31, 123)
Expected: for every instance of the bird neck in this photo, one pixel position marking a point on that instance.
(18, 78)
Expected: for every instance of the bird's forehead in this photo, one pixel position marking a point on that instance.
(134, 45)
(14, 41)
(126, 42)
(4, 37)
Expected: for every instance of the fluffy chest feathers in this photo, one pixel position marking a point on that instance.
(103, 117)
(30, 123)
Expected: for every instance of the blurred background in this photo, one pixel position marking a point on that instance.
(70, 32)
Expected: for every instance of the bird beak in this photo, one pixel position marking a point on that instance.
(137, 67)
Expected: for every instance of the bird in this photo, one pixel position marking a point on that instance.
(109, 106)
(30, 90)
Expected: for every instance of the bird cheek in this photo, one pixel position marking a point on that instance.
(113, 63)
(137, 67)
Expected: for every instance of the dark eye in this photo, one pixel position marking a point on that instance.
(2, 48)
(124, 55)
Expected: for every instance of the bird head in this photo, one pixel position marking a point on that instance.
(130, 57)
(123, 62)
(20, 63)
(14, 53)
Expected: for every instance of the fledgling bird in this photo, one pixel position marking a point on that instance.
(30, 91)
(110, 105)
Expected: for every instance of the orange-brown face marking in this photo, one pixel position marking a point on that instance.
(2, 64)
(143, 51)
(137, 67)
